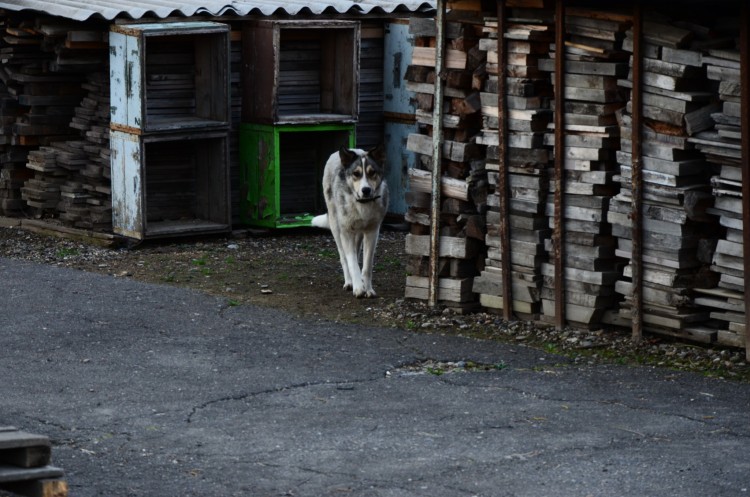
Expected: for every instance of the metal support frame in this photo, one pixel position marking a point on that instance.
(437, 153)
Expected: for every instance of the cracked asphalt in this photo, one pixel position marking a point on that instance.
(150, 390)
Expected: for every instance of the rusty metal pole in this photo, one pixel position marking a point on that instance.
(745, 127)
(557, 234)
(437, 155)
(502, 180)
(637, 180)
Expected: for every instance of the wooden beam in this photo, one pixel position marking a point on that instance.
(636, 259)
(437, 155)
(558, 226)
(502, 182)
(745, 127)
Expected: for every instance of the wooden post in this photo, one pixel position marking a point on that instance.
(437, 147)
(637, 180)
(557, 234)
(502, 180)
(745, 127)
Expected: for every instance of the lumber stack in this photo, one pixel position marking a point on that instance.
(85, 197)
(25, 465)
(594, 60)
(527, 159)
(722, 147)
(463, 192)
(13, 172)
(676, 192)
(43, 75)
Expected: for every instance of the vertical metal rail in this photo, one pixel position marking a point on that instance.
(437, 153)
(637, 180)
(502, 181)
(557, 234)
(745, 127)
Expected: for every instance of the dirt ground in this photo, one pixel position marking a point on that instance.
(298, 271)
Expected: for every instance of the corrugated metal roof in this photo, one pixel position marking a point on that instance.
(82, 10)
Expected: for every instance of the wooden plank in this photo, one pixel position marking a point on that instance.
(420, 181)
(425, 56)
(13, 473)
(458, 248)
(38, 488)
(449, 290)
(496, 302)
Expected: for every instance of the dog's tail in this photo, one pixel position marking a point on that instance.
(321, 221)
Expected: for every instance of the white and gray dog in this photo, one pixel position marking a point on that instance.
(356, 196)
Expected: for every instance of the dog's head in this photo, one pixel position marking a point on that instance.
(364, 172)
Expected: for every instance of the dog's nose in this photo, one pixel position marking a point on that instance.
(366, 191)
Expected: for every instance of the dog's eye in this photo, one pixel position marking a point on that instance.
(357, 173)
(371, 173)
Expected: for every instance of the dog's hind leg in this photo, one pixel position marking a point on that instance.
(370, 241)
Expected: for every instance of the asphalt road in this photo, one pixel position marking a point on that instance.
(151, 390)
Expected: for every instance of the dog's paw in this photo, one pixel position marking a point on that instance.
(365, 294)
(348, 287)
(359, 291)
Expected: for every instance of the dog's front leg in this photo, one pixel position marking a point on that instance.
(342, 257)
(368, 259)
(351, 252)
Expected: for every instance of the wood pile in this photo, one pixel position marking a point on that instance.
(594, 60)
(13, 172)
(45, 161)
(676, 191)
(527, 159)
(722, 147)
(463, 180)
(25, 465)
(86, 198)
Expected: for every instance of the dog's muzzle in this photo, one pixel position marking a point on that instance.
(367, 199)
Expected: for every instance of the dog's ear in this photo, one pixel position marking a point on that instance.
(346, 156)
(378, 154)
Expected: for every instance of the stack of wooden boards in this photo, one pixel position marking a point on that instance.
(25, 465)
(722, 146)
(52, 161)
(677, 104)
(692, 267)
(463, 179)
(594, 60)
(527, 160)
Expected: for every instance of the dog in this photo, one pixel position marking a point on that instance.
(356, 196)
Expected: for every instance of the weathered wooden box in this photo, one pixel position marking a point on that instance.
(169, 76)
(300, 71)
(167, 185)
(281, 169)
(169, 136)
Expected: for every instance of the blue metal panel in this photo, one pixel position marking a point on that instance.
(398, 102)
(398, 51)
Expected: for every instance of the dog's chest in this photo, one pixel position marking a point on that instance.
(362, 216)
